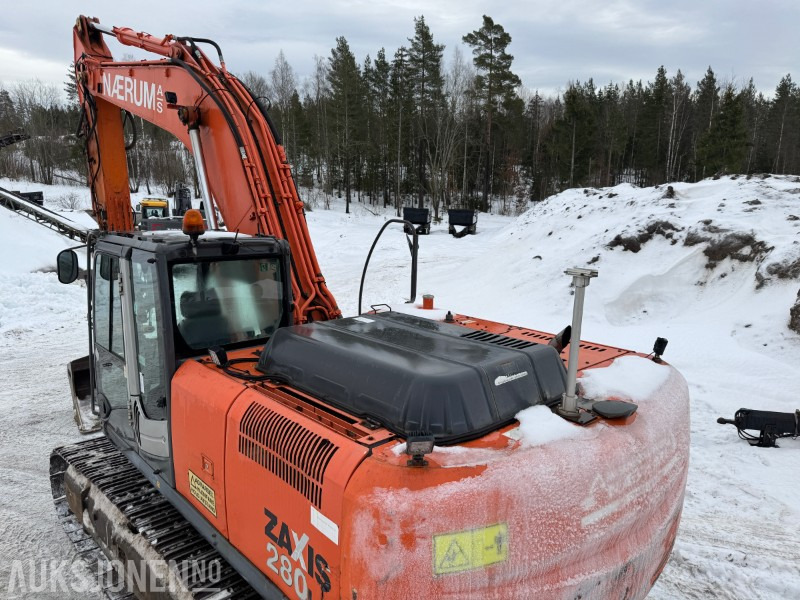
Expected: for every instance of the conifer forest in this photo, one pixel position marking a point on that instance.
(441, 127)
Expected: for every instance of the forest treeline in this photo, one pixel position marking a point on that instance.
(413, 128)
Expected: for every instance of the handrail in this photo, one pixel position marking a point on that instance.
(413, 246)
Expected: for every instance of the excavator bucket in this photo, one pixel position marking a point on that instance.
(80, 383)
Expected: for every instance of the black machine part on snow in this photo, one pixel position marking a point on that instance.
(462, 217)
(420, 219)
(412, 374)
(770, 425)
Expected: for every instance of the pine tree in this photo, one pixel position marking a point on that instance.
(71, 85)
(654, 127)
(755, 109)
(574, 134)
(344, 78)
(402, 103)
(784, 119)
(425, 71)
(612, 133)
(723, 147)
(9, 118)
(379, 98)
(706, 103)
(495, 83)
(632, 109)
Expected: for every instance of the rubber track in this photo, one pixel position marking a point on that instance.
(150, 515)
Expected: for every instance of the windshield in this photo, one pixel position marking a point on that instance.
(152, 211)
(226, 302)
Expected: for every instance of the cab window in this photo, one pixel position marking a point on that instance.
(227, 302)
(149, 322)
(108, 305)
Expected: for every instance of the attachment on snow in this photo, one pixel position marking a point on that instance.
(462, 217)
(420, 219)
(770, 426)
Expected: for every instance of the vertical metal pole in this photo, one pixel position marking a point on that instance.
(569, 401)
(197, 151)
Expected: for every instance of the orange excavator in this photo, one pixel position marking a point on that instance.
(257, 444)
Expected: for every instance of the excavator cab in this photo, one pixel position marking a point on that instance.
(158, 299)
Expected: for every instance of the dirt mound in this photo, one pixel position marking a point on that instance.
(743, 247)
(794, 315)
(723, 243)
(785, 270)
(635, 242)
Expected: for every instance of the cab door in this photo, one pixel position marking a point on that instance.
(132, 376)
(148, 324)
(109, 348)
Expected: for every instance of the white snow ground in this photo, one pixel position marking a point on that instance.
(738, 537)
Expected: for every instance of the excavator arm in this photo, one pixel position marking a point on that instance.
(242, 167)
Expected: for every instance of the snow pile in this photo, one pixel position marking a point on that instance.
(628, 378)
(538, 425)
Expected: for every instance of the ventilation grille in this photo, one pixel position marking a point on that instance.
(499, 340)
(537, 335)
(286, 449)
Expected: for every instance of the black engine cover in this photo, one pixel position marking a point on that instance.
(416, 375)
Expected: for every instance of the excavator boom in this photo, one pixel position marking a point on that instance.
(243, 168)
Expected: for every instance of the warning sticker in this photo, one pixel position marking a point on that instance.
(204, 494)
(474, 549)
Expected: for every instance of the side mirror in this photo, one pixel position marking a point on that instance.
(67, 266)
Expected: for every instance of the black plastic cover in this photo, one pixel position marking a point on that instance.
(412, 374)
(462, 216)
(417, 216)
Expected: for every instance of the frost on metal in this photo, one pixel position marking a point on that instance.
(591, 515)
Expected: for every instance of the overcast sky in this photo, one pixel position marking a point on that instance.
(553, 41)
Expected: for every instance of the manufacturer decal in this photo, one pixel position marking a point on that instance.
(135, 91)
(472, 549)
(502, 379)
(203, 492)
(292, 558)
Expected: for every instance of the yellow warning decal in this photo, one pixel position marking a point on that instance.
(473, 549)
(204, 494)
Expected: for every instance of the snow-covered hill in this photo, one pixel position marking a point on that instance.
(712, 266)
